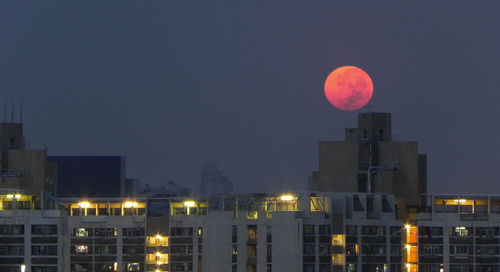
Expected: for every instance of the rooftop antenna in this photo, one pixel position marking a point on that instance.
(21, 111)
(12, 112)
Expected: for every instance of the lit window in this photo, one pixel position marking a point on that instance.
(82, 249)
(133, 267)
(81, 232)
(461, 231)
(286, 197)
(130, 204)
(84, 204)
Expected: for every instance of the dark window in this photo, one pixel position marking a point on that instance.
(309, 229)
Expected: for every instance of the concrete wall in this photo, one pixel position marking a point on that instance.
(31, 165)
(338, 167)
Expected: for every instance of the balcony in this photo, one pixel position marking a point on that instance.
(474, 216)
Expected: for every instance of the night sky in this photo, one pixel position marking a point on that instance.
(174, 84)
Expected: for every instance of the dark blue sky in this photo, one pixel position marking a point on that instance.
(174, 84)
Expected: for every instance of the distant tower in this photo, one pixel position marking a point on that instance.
(22, 170)
(370, 161)
(213, 181)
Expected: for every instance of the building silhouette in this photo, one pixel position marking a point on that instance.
(369, 160)
(91, 176)
(344, 225)
(23, 170)
(213, 181)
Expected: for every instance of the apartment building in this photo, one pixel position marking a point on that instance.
(235, 232)
(29, 237)
(308, 231)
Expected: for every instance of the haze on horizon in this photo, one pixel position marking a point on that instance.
(174, 84)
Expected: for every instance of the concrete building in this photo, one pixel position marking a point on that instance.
(302, 232)
(90, 176)
(369, 160)
(458, 233)
(356, 221)
(22, 169)
(235, 232)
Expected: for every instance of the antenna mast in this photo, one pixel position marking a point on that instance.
(21, 111)
(12, 112)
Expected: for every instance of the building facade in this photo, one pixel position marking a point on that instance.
(370, 160)
(89, 176)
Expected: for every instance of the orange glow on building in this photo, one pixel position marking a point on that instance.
(412, 235)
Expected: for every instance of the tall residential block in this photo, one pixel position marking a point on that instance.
(91, 176)
(22, 170)
(370, 160)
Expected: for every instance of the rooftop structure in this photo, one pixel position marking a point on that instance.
(369, 160)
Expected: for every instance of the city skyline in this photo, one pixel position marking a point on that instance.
(174, 85)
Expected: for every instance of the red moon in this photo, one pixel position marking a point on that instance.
(348, 88)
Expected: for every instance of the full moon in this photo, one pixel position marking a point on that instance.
(348, 88)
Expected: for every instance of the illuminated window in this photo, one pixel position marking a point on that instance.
(412, 254)
(82, 249)
(252, 231)
(338, 240)
(338, 259)
(235, 253)
(82, 232)
(350, 249)
(252, 214)
(461, 231)
(411, 234)
(133, 267)
(351, 268)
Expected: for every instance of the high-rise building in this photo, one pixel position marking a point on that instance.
(370, 160)
(358, 228)
(297, 232)
(22, 170)
(213, 181)
(91, 176)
